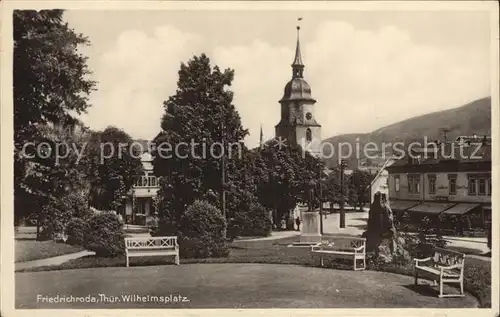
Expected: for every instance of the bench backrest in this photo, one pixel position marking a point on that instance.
(150, 242)
(342, 242)
(448, 258)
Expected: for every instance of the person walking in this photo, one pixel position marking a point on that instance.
(297, 222)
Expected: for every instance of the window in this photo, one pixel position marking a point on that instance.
(308, 135)
(472, 186)
(482, 186)
(396, 183)
(410, 184)
(452, 184)
(413, 184)
(432, 184)
(152, 181)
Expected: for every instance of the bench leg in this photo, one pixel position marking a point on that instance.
(440, 288)
(354, 263)
(416, 277)
(177, 259)
(127, 260)
(462, 286)
(364, 262)
(321, 261)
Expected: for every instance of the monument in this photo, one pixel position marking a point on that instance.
(381, 236)
(310, 233)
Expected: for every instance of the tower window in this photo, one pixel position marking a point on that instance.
(308, 135)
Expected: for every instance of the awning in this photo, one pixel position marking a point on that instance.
(460, 209)
(401, 205)
(431, 208)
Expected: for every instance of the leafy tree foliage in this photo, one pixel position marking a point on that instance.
(51, 86)
(286, 172)
(201, 111)
(202, 230)
(112, 165)
(359, 192)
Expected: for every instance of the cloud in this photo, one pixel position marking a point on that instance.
(362, 79)
(136, 76)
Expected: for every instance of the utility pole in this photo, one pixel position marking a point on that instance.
(320, 199)
(342, 211)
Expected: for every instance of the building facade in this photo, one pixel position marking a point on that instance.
(442, 185)
(139, 207)
(298, 122)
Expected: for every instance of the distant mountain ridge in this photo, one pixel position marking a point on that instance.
(469, 119)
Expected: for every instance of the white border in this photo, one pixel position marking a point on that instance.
(6, 110)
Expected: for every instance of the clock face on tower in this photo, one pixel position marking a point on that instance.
(309, 116)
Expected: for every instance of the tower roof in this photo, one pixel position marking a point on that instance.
(297, 88)
(297, 61)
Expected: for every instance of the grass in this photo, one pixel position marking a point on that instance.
(477, 273)
(29, 250)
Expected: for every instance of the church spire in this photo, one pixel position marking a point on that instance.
(297, 65)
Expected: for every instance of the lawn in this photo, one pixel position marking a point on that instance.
(241, 285)
(30, 249)
(477, 275)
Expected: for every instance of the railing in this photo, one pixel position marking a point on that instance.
(146, 181)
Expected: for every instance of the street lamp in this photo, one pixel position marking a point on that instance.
(320, 200)
(343, 165)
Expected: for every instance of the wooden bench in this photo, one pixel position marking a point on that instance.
(342, 247)
(445, 265)
(151, 246)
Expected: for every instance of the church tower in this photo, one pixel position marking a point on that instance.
(298, 122)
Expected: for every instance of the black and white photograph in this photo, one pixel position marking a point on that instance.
(230, 155)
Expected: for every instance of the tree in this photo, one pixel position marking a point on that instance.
(58, 185)
(50, 88)
(112, 167)
(332, 189)
(358, 188)
(200, 112)
(285, 175)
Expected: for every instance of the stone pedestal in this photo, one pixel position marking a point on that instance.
(311, 233)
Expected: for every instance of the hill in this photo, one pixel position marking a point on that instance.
(469, 119)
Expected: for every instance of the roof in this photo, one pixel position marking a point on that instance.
(450, 153)
(297, 89)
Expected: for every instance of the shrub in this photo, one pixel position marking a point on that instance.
(105, 235)
(252, 222)
(76, 230)
(202, 232)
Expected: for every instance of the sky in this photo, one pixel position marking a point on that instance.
(367, 69)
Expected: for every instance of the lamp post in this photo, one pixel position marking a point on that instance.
(343, 164)
(320, 200)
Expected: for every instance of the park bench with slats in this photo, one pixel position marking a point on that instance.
(151, 246)
(342, 247)
(445, 265)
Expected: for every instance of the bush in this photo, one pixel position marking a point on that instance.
(76, 230)
(252, 222)
(202, 232)
(105, 235)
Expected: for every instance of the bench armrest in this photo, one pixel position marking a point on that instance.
(359, 249)
(422, 260)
